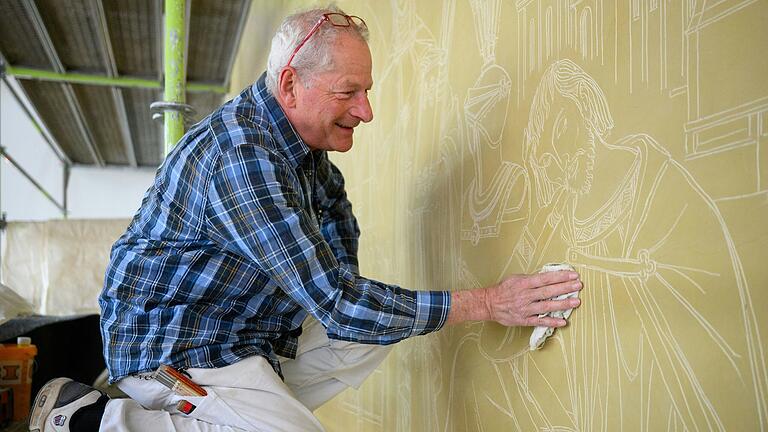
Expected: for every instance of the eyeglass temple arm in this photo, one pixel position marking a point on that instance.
(306, 38)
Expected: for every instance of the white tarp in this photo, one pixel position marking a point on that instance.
(58, 266)
(12, 304)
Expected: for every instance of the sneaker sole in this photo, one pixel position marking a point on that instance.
(44, 403)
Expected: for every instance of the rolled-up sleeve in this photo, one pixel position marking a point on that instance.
(255, 209)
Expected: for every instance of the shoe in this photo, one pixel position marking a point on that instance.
(60, 400)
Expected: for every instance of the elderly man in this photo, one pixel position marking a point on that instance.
(240, 268)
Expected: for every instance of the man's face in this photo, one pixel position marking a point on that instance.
(336, 101)
(567, 148)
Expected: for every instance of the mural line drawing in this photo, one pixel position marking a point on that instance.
(587, 140)
(630, 247)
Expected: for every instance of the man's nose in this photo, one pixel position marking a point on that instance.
(362, 109)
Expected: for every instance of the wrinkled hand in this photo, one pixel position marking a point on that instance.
(519, 300)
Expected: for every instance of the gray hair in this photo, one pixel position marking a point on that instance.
(316, 56)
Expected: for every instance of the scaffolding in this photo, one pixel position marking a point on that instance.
(173, 21)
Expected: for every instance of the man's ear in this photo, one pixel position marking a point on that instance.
(286, 87)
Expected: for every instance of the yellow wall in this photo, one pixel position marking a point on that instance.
(650, 176)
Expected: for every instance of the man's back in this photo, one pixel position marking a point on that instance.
(186, 298)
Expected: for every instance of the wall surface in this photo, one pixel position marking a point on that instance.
(626, 137)
(19, 198)
(107, 193)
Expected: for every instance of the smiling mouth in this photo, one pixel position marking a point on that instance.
(345, 127)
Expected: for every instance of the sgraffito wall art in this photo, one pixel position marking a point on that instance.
(628, 138)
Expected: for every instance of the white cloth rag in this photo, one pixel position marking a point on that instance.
(541, 333)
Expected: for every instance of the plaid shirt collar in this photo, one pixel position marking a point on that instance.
(293, 146)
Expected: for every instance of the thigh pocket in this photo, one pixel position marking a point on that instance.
(215, 410)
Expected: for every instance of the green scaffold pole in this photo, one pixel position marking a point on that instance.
(175, 69)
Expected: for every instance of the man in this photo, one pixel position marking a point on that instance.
(245, 234)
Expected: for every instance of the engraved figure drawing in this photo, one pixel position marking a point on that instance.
(514, 134)
(668, 356)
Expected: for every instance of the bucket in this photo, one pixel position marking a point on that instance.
(16, 363)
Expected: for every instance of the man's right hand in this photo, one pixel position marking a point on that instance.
(517, 300)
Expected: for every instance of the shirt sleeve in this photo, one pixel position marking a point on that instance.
(255, 210)
(338, 223)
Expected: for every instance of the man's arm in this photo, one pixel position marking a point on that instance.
(255, 210)
(517, 300)
(338, 224)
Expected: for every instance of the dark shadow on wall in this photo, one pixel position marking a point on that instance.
(435, 233)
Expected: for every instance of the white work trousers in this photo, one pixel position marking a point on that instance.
(249, 395)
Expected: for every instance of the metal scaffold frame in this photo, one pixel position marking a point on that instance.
(175, 85)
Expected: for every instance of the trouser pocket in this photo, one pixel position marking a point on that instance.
(213, 409)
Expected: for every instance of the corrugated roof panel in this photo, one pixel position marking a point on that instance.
(51, 103)
(212, 38)
(18, 41)
(73, 29)
(76, 31)
(135, 39)
(147, 134)
(98, 107)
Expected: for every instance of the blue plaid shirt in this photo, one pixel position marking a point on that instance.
(243, 233)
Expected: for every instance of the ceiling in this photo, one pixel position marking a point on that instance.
(105, 125)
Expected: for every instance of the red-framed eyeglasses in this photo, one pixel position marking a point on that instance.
(336, 19)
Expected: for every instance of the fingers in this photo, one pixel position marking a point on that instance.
(547, 322)
(551, 278)
(546, 306)
(551, 291)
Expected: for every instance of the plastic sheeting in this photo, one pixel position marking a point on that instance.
(58, 266)
(12, 305)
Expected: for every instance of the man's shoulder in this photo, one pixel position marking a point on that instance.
(241, 121)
